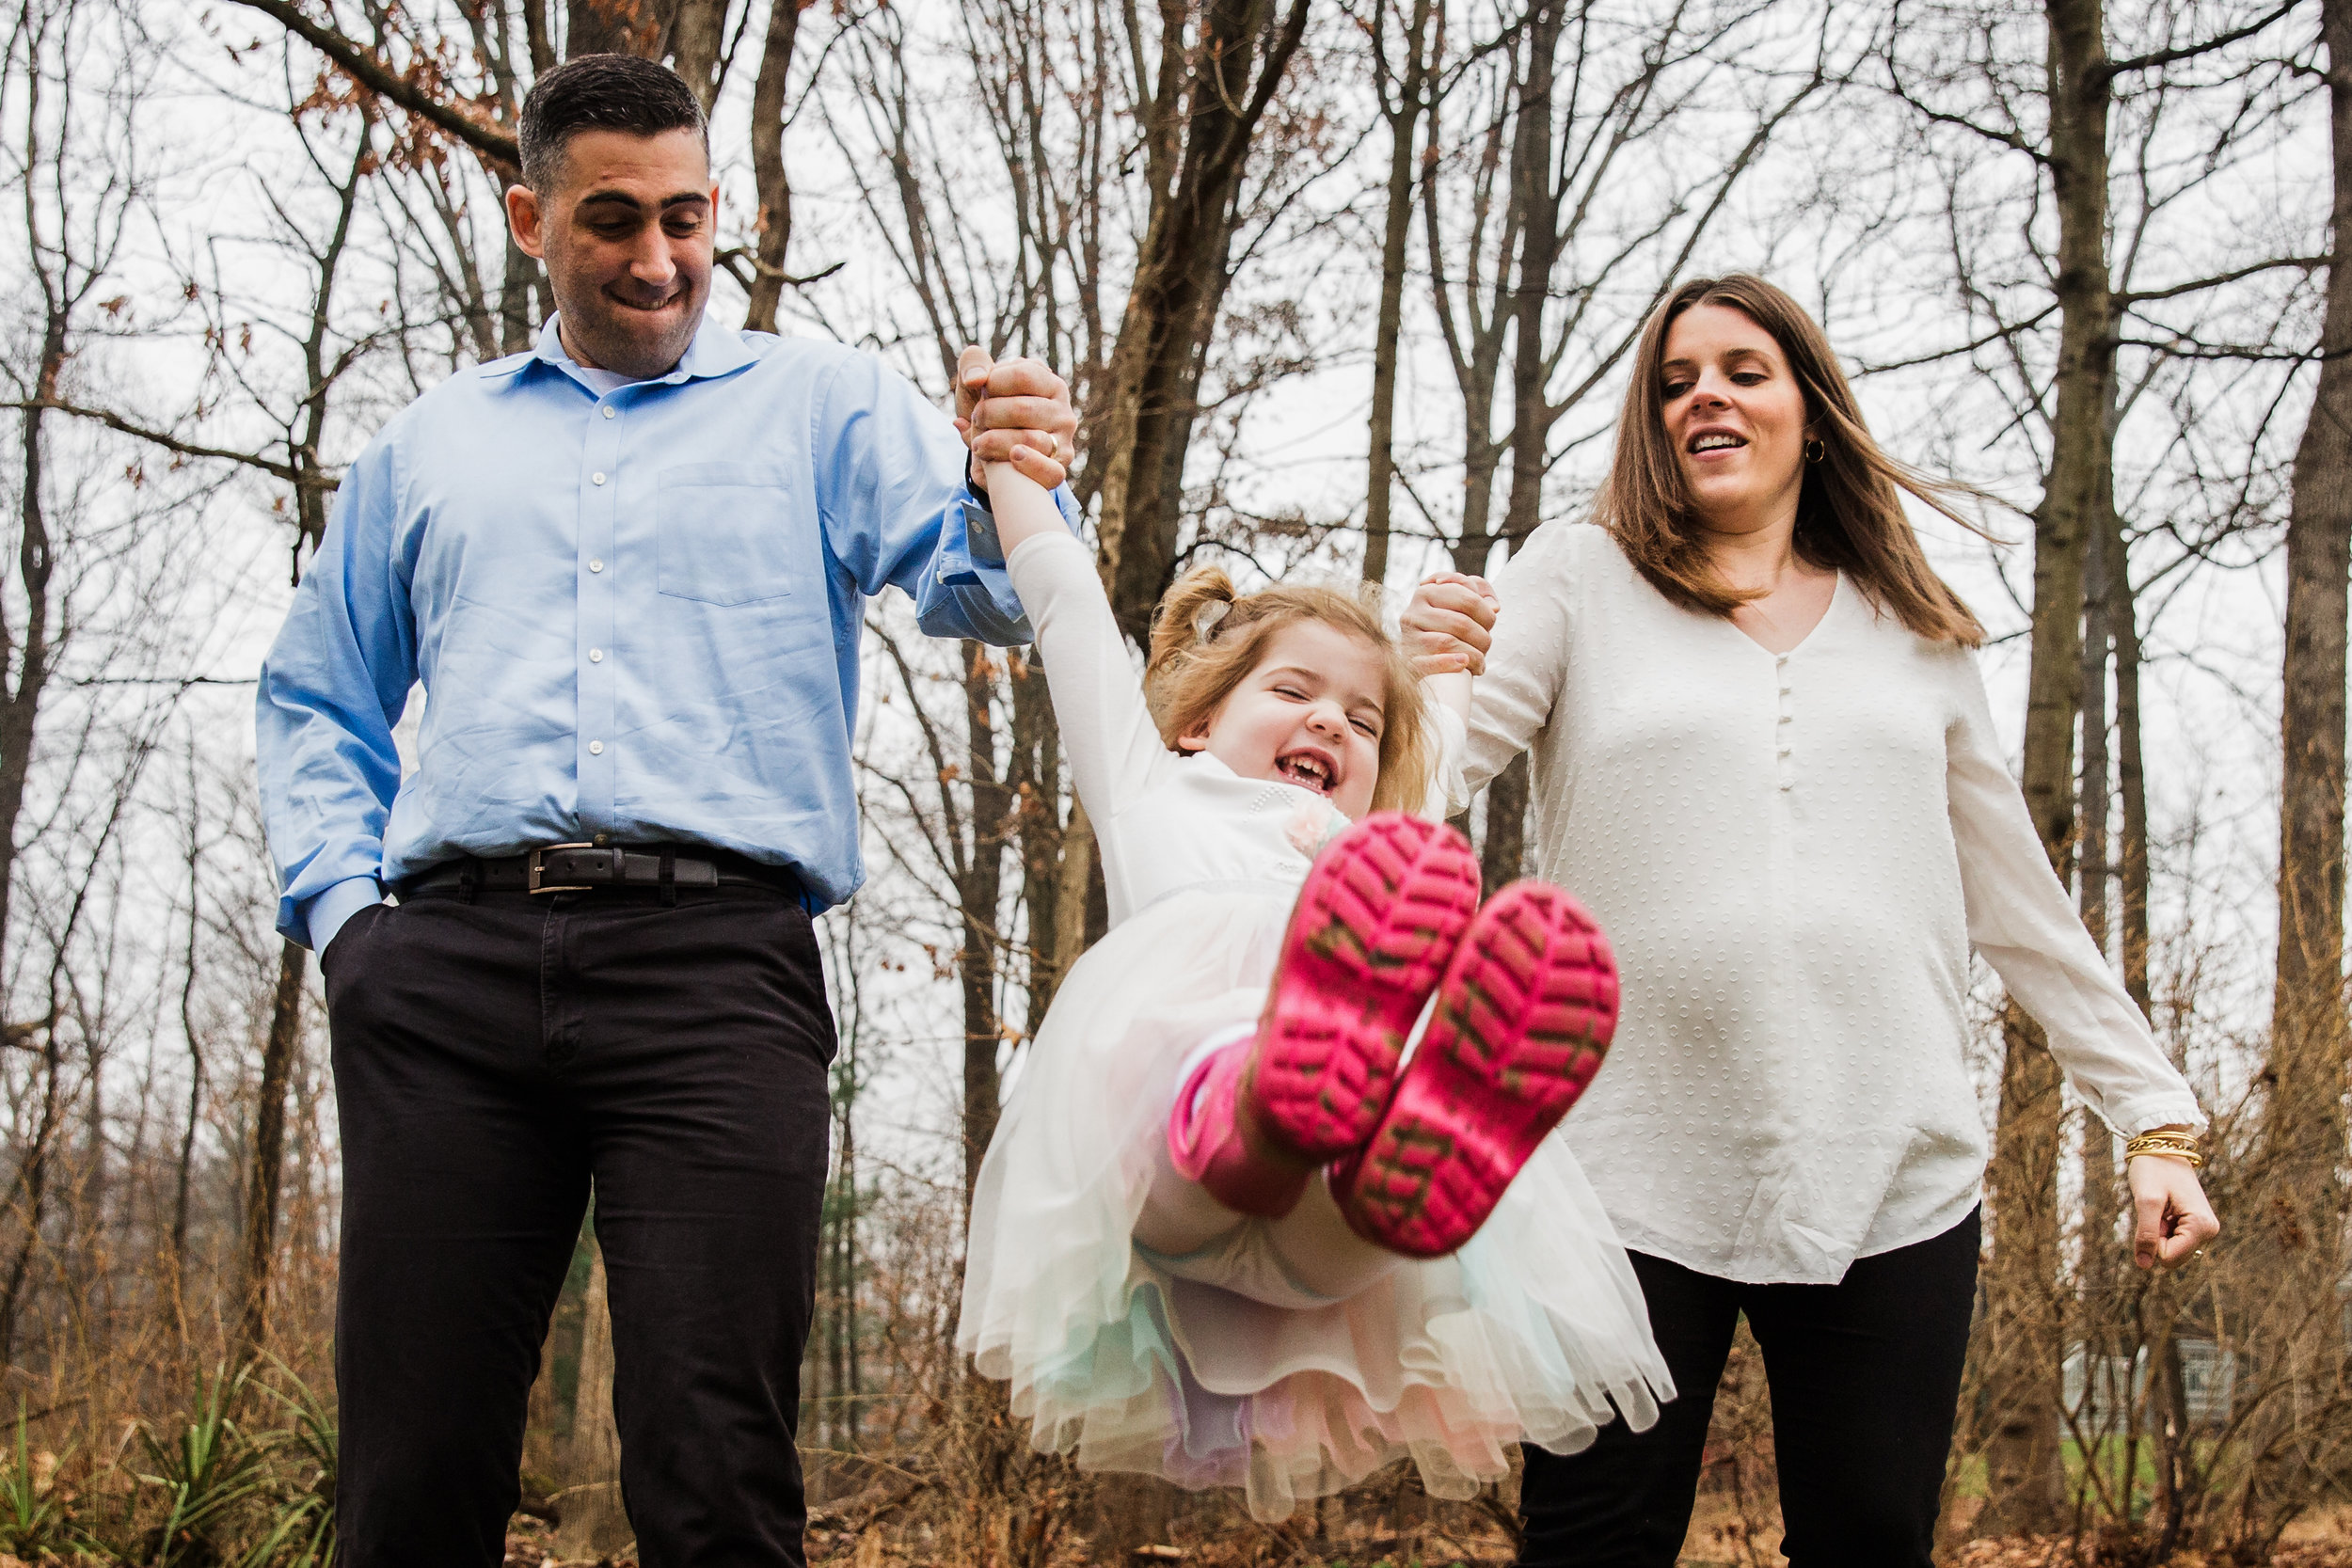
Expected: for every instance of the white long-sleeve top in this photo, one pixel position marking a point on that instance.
(1792, 854)
(1165, 822)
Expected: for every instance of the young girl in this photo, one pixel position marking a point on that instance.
(1160, 1263)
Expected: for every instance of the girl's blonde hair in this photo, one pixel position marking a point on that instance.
(1206, 637)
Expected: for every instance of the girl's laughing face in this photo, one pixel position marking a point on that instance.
(1311, 714)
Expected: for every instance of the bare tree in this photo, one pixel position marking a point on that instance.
(772, 228)
(1201, 102)
(1402, 88)
(2062, 128)
(2309, 1050)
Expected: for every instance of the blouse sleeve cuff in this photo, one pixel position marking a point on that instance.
(2142, 1112)
(1450, 782)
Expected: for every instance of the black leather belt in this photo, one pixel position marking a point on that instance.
(588, 867)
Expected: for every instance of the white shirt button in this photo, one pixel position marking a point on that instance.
(595, 655)
(599, 478)
(596, 565)
(595, 749)
(608, 413)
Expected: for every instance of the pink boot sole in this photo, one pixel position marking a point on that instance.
(1375, 923)
(1524, 1016)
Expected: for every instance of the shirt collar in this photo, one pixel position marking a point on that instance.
(716, 351)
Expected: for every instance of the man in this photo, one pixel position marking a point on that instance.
(628, 569)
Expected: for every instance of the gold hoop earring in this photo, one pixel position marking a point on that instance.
(1816, 449)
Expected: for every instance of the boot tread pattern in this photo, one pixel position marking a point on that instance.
(1375, 925)
(1523, 1019)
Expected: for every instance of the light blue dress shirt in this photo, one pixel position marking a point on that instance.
(635, 612)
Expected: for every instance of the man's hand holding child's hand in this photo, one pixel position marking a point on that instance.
(1449, 626)
(1015, 411)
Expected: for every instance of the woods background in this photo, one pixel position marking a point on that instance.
(1341, 287)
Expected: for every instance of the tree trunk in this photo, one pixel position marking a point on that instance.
(640, 27)
(2304, 1130)
(196, 1068)
(1035, 780)
(2025, 1477)
(265, 1180)
(32, 657)
(1536, 200)
(774, 225)
(696, 36)
(2024, 1474)
(846, 1386)
(980, 891)
(28, 1194)
(1474, 342)
(2097, 1169)
(28, 652)
(2131, 777)
(1181, 271)
(1502, 853)
(1403, 121)
(593, 1521)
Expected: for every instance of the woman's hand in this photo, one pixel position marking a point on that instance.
(2170, 1218)
(1449, 624)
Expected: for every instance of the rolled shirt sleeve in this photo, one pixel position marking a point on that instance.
(893, 513)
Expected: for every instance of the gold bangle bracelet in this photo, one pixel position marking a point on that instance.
(2179, 1145)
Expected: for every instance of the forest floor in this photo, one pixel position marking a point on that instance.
(1718, 1538)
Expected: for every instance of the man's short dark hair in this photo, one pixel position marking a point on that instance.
(602, 92)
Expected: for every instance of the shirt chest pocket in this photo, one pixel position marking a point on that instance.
(724, 532)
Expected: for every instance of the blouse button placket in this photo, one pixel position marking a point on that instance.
(1784, 732)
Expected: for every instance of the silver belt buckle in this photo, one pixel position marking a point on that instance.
(538, 869)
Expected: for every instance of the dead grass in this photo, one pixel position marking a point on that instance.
(1720, 1537)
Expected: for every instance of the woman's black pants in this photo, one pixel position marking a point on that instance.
(1864, 1377)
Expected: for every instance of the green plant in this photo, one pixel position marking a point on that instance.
(207, 1474)
(33, 1516)
(301, 1532)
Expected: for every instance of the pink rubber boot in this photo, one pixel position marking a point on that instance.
(1375, 925)
(1206, 1140)
(1523, 1018)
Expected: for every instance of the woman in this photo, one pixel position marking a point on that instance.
(1763, 756)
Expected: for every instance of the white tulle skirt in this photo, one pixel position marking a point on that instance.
(1529, 1333)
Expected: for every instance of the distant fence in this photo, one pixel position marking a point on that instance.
(2104, 1391)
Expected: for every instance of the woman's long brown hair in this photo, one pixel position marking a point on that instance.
(1849, 511)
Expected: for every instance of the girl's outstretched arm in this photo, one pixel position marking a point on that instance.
(1113, 747)
(1021, 499)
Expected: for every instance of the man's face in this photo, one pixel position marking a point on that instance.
(627, 237)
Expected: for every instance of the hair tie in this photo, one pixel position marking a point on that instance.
(1205, 619)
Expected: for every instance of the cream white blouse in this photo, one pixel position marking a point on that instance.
(1792, 854)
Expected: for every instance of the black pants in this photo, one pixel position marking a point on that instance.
(492, 1061)
(1864, 1376)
